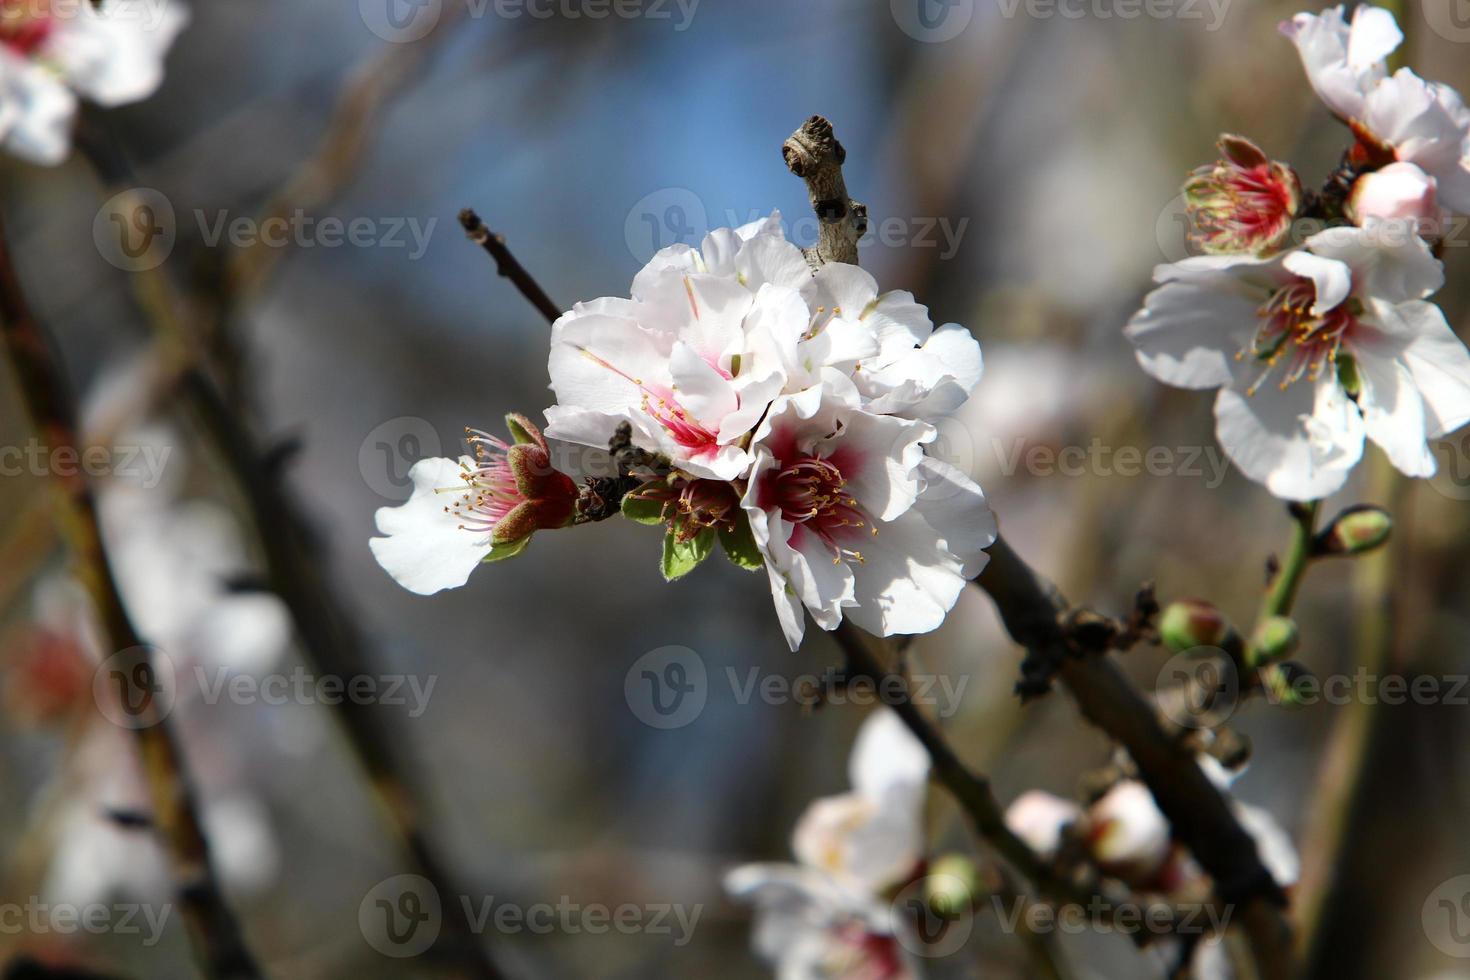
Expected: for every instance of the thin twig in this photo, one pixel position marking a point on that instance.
(217, 939)
(507, 265)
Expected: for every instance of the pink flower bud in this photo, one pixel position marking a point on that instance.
(1400, 192)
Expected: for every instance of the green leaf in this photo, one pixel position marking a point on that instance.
(509, 549)
(643, 511)
(740, 546)
(681, 558)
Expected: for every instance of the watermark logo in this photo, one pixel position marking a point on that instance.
(1446, 917)
(925, 930)
(932, 21)
(1452, 471)
(35, 917)
(389, 451)
(401, 917)
(401, 21)
(1450, 19)
(1198, 688)
(135, 230)
(135, 688)
(667, 688)
(671, 216)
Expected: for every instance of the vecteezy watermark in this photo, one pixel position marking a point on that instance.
(1205, 463)
(143, 464)
(677, 216)
(669, 688)
(1452, 465)
(1201, 688)
(1099, 914)
(388, 453)
(1211, 12)
(402, 916)
(1450, 19)
(406, 21)
(1446, 917)
(926, 931)
(932, 21)
(139, 687)
(149, 15)
(37, 918)
(138, 229)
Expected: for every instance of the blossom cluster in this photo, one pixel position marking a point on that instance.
(55, 52)
(781, 413)
(1319, 341)
(831, 914)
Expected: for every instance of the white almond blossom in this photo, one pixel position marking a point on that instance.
(855, 519)
(1312, 350)
(828, 917)
(55, 52)
(1398, 117)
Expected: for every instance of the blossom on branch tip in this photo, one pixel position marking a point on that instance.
(830, 915)
(52, 54)
(478, 508)
(1312, 350)
(1398, 117)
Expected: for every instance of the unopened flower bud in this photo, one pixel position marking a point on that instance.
(1400, 193)
(1191, 623)
(1355, 531)
(1039, 818)
(1276, 637)
(952, 886)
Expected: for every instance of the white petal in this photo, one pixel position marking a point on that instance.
(703, 392)
(36, 111)
(887, 756)
(1323, 43)
(1273, 843)
(1373, 37)
(770, 259)
(839, 286)
(1426, 125)
(115, 56)
(1038, 818)
(1439, 363)
(954, 506)
(926, 382)
(597, 361)
(908, 581)
(1188, 332)
(879, 456)
(1393, 413)
(1333, 280)
(425, 549)
(1387, 261)
(1268, 436)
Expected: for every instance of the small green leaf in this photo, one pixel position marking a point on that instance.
(522, 429)
(643, 511)
(508, 549)
(682, 557)
(740, 546)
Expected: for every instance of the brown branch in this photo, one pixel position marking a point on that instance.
(1040, 619)
(213, 929)
(814, 154)
(1034, 612)
(507, 266)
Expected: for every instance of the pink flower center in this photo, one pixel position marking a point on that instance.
(811, 494)
(490, 490)
(1291, 333)
(1241, 209)
(24, 25)
(865, 955)
(662, 405)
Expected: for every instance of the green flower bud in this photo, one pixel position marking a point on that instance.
(1275, 638)
(952, 886)
(1191, 623)
(1355, 531)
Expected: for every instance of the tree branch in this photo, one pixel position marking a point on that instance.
(814, 154)
(213, 929)
(507, 265)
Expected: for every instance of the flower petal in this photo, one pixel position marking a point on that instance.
(426, 550)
